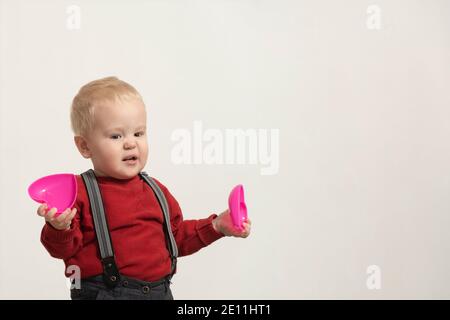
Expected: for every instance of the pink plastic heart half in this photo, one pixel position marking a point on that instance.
(237, 206)
(57, 191)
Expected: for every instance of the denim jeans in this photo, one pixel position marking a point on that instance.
(127, 289)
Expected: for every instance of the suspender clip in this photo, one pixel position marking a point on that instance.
(111, 275)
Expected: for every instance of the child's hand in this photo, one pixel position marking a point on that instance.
(224, 225)
(62, 222)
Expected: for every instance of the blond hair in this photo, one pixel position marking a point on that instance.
(109, 89)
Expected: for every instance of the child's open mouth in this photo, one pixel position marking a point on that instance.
(130, 160)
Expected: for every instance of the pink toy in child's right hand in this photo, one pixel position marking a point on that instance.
(237, 206)
(57, 191)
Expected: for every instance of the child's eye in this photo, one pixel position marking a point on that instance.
(114, 136)
(139, 134)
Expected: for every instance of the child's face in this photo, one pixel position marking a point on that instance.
(119, 132)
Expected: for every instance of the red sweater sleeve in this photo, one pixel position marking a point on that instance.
(190, 235)
(63, 244)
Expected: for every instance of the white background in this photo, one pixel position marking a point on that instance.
(364, 124)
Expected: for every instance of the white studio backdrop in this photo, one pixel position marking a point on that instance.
(348, 104)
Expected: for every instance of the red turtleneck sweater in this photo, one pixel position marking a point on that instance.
(136, 222)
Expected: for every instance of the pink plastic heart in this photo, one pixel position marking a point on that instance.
(57, 191)
(237, 206)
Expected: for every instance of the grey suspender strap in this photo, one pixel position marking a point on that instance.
(111, 275)
(172, 245)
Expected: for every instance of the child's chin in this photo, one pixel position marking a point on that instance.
(135, 169)
(129, 172)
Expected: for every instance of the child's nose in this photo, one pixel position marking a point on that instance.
(130, 143)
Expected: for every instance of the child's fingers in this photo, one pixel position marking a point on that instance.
(247, 229)
(70, 216)
(62, 217)
(51, 214)
(41, 210)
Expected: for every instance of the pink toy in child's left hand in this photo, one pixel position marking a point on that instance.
(57, 191)
(237, 206)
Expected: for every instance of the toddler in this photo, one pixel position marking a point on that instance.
(109, 122)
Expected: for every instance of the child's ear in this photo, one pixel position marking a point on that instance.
(82, 146)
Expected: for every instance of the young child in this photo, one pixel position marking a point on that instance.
(109, 122)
